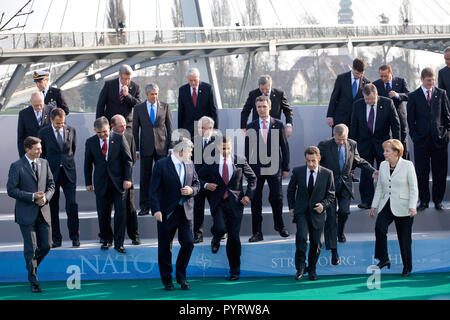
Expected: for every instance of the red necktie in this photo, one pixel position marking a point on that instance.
(121, 95)
(428, 97)
(225, 176)
(104, 148)
(194, 97)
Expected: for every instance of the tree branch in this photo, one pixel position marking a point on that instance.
(17, 14)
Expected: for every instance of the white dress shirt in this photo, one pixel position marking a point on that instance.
(425, 92)
(229, 164)
(31, 166)
(261, 126)
(192, 91)
(176, 162)
(308, 173)
(353, 79)
(368, 106)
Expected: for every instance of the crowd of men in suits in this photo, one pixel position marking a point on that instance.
(173, 188)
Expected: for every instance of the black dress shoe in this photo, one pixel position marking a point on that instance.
(299, 274)
(184, 284)
(312, 275)
(169, 286)
(56, 244)
(233, 277)
(364, 206)
(136, 242)
(105, 246)
(406, 273)
(75, 243)
(383, 264)
(198, 238)
(422, 206)
(35, 288)
(144, 212)
(256, 237)
(284, 233)
(439, 206)
(215, 245)
(335, 258)
(342, 238)
(120, 249)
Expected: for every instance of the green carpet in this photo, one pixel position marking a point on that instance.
(348, 287)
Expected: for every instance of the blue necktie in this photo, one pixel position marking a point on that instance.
(341, 157)
(388, 88)
(354, 88)
(181, 175)
(152, 113)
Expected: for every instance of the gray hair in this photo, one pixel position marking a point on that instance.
(100, 123)
(369, 89)
(150, 87)
(125, 69)
(446, 50)
(37, 94)
(264, 79)
(182, 144)
(208, 120)
(340, 130)
(192, 71)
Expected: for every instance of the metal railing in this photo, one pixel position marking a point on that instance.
(103, 38)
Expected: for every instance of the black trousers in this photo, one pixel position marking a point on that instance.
(36, 245)
(404, 231)
(166, 232)
(131, 216)
(104, 209)
(335, 222)
(424, 154)
(275, 199)
(366, 184)
(199, 211)
(228, 220)
(145, 176)
(402, 115)
(305, 227)
(69, 189)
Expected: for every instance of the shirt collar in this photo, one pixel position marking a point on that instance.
(425, 91)
(149, 104)
(261, 122)
(316, 170)
(54, 129)
(229, 159)
(30, 161)
(175, 160)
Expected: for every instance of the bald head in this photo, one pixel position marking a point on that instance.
(118, 124)
(37, 101)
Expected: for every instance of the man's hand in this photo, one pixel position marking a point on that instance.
(126, 185)
(412, 212)
(330, 122)
(285, 174)
(372, 212)
(211, 186)
(288, 131)
(137, 156)
(186, 191)
(158, 216)
(291, 212)
(244, 131)
(245, 200)
(318, 208)
(41, 201)
(125, 90)
(393, 94)
(38, 195)
(90, 188)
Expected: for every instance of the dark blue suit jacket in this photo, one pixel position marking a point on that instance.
(165, 188)
(28, 126)
(54, 98)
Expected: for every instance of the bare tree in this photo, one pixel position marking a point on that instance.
(180, 67)
(116, 20)
(5, 26)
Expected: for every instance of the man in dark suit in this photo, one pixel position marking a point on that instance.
(53, 97)
(267, 152)
(396, 89)
(173, 187)
(30, 182)
(195, 100)
(278, 99)
(340, 155)
(223, 182)
(347, 89)
(119, 96)
(204, 152)
(31, 120)
(374, 120)
(119, 126)
(429, 127)
(444, 73)
(110, 154)
(310, 192)
(152, 131)
(59, 142)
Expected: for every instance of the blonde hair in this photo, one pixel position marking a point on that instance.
(395, 145)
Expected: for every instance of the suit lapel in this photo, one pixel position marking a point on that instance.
(398, 167)
(159, 113)
(379, 115)
(175, 171)
(39, 169)
(28, 167)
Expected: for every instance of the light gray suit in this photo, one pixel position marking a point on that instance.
(34, 221)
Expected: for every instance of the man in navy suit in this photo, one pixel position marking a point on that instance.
(444, 73)
(59, 143)
(173, 187)
(195, 100)
(278, 99)
(31, 120)
(119, 96)
(347, 89)
(223, 182)
(429, 127)
(53, 97)
(110, 154)
(396, 89)
(267, 152)
(374, 120)
(30, 182)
